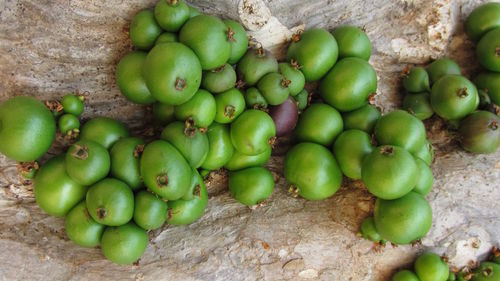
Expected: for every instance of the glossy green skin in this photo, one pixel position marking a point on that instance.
(418, 105)
(482, 19)
(403, 220)
(490, 83)
(402, 129)
(254, 66)
(302, 99)
(166, 66)
(425, 153)
(254, 99)
(319, 123)
(193, 12)
(492, 270)
(150, 212)
(430, 267)
(313, 170)
(72, 104)
(404, 275)
(124, 244)
(352, 42)
(125, 155)
(480, 132)
(163, 113)
(229, 105)
(488, 50)
(251, 132)
(369, 231)
(220, 148)
(350, 148)
(171, 16)
(200, 108)
(193, 147)
(130, 80)
(417, 80)
(68, 122)
(166, 37)
(144, 30)
(182, 212)
(27, 129)
(348, 84)
(446, 99)
(55, 192)
(240, 161)
(103, 130)
(219, 80)
(363, 118)
(90, 169)
(81, 228)
(161, 158)
(271, 88)
(207, 36)
(239, 44)
(110, 202)
(425, 179)
(442, 67)
(296, 77)
(251, 186)
(316, 52)
(389, 174)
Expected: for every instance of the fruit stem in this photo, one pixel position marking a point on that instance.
(295, 64)
(101, 213)
(54, 106)
(229, 111)
(462, 93)
(197, 191)
(230, 34)
(387, 150)
(81, 152)
(296, 36)
(240, 84)
(294, 191)
(260, 52)
(218, 69)
(272, 142)
(162, 180)
(180, 84)
(493, 125)
(285, 82)
(138, 150)
(190, 131)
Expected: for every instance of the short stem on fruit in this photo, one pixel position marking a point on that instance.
(139, 149)
(294, 191)
(240, 84)
(295, 64)
(387, 150)
(218, 69)
(54, 106)
(230, 35)
(493, 125)
(272, 141)
(180, 84)
(197, 191)
(229, 111)
(260, 52)
(371, 97)
(162, 180)
(296, 36)
(285, 82)
(462, 93)
(172, 2)
(202, 130)
(80, 152)
(101, 213)
(190, 131)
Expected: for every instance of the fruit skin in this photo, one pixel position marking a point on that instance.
(55, 192)
(163, 113)
(130, 80)
(251, 186)
(313, 170)
(480, 132)
(193, 12)
(81, 228)
(363, 118)
(442, 67)
(296, 77)
(402, 129)
(220, 148)
(350, 148)
(207, 36)
(252, 131)
(200, 109)
(403, 220)
(144, 30)
(67, 123)
(369, 231)
(192, 144)
(72, 104)
(160, 163)
(425, 178)
(348, 84)
(490, 83)
(430, 267)
(229, 105)
(110, 202)
(488, 50)
(239, 43)
(352, 42)
(87, 162)
(103, 130)
(185, 211)
(220, 79)
(285, 116)
(254, 99)
(239, 161)
(482, 19)
(416, 80)
(454, 97)
(172, 73)
(405, 275)
(124, 244)
(319, 123)
(124, 156)
(425, 153)
(273, 88)
(150, 212)
(171, 15)
(418, 105)
(316, 52)
(255, 64)
(302, 99)
(487, 271)
(27, 129)
(166, 37)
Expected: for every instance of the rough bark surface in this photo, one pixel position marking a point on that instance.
(48, 48)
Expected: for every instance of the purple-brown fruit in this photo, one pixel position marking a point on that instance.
(285, 116)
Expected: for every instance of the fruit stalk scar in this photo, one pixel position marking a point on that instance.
(162, 180)
(180, 84)
(81, 152)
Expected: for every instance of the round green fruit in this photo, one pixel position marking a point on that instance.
(488, 50)
(238, 40)
(416, 80)
(255, 64)
(104, 131)
(430, 267)
(130, 80)
(220, 79)
(87, 162)
(404, 275)
(220, 148)
(124, 156)
(240, 161)
(352, 42)
(294, 75)
(144, 30)
(251, 133)
(274, 88)
(251, 186)
(171, 14)
(418, 105)
(363, 118)
(166, 37)
(480, 132)
(124, 244)
(73, 104)
(350, 148)
(425, 178)
(454, 97)
(319, 123)
(192, 144)
(482, 19)
(489, 82)
(442, 67)
(229, 105)
(81, 228)
(150, 212)
(68, 123)
(185, 211)
(200, 109)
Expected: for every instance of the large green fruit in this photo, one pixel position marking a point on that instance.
(228, 106)
(352, 42)
(192, 144)
(220, 148)
(129, 78)
(480, 132)
(240, 161)
(442, 67)
(144, 30)
(255, 64)
(319, 123)
(238, 40)
(274, 88)
(200, 109)
(103, 130)
(81, 228)
(350, 148)
(488, 50)
(192, 206)
(150, 212)
(220, 79)
(171, 14)
(454, 97)
(430, 267)
(252, 131)
(489, 82)
(482, 19)
(124, 244)
(402, 129)
(125, 155)
(87, 162)
(251, 186)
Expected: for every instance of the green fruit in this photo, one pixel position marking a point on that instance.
(103, 130)
(55, 192)
(193, 12)
(171, 14)
(418, 105)
(87, 162)
(81, 228)
(490, 83)
(200, 109)
(254, 99)
(363, 118)
(452, 276)
(130, 80)
(416, 80)
(294, 75)
(27, 129)
(72, 104)
(316, 51)
(150, 212)
(144, 30)
(220, 79)
(425, 153)
(252, 131)
(479, 132)
(110, 202)
(172, 73)
(220, 148)
(484, 100)
(425, 178)
(163, 113)
(125, 155)
(350, 149)
(442, 67)
(229, 105)
(238, 40)
(319, 123)
(68, 123)
(192, 144)
(348, 84)
(404, 275)
(255, 64)
(302, 99)
(487, 271)
(369, 231)
(430, 267)
(251, 186)
(166, 37)
(352, 42)
(164, 170)
(208, 37)
(488, 50)
(274, 88)
(312, 169)
(239, 161)
(454, 97)
(124, 244)
(403, 220)
(482, 19)
(181, 212)
(402, 129)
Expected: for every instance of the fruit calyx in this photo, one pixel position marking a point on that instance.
(463, 92)
(229, 111)
(180, 84)
(173, 2)
(294, 191)
(296, 36)
(497, 52)
(101, 213)
(230, 34)
(488, 271)
(218, 69)
(240, 84)
(162, 180)
(54, 105)
(80, 152)
(493, 125)
(387, 150)
(272, 141)
(260, 52)
(295, 64)
(197, 191)
(139, 149)
(285, 82)
(190, 128)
